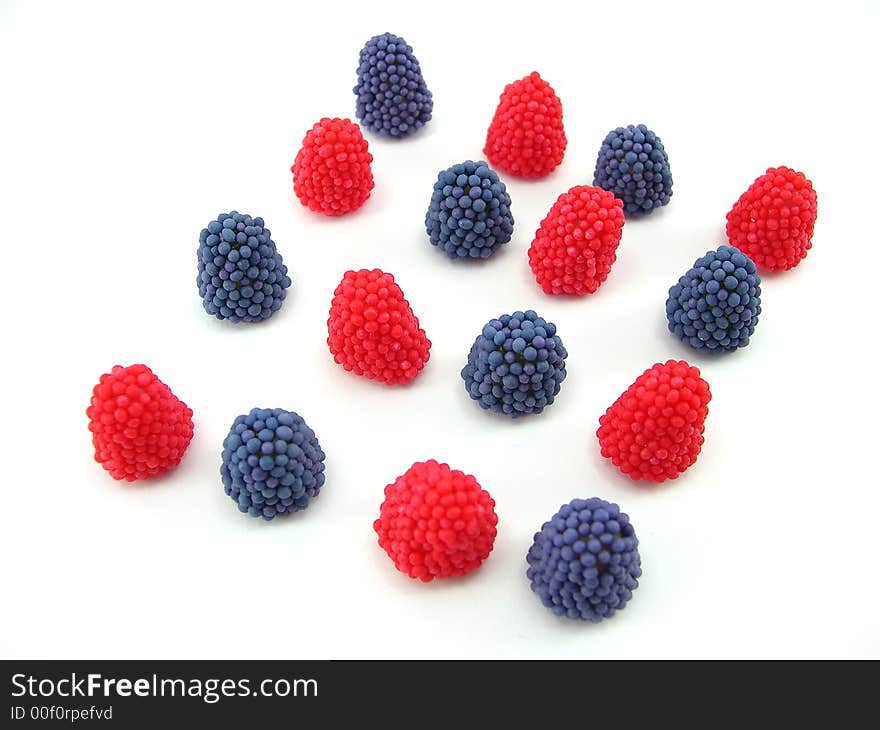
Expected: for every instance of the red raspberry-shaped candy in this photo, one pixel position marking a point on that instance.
(139, 427)
(772, 222)
(372, 329)
(526, 136)
(654, 431)
(331, 173)
(577, 242)
(436, 522)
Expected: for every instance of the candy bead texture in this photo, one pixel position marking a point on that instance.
(372, 330)
(526, 137)
(516, 365)
(576, 244)
(331, 172)
(715, 305)
(469, 215)
(773, 221)
(242, 277)
(654, 431)
(633, 165)
(436, 522)
(272, 463)
(584, 563)
(392, 97)
(139, 428)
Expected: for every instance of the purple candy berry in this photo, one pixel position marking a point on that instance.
(272, 463)
(714, 307)
(392, 98)
(633, 165)
(242, 277)
(516, 365)
(584, 563)
(469, 214)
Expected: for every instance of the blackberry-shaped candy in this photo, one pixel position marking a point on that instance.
(372, 330)
(242, 277)
(331, 172)
(633, 165)
(436, 522)
(392, 98)
(469, 215)
(272, 463)
(654, 431)
(584, 563)
(715, 305)
(516, 365)
(576, 245)
(772, 222)
(526, 137)
(139, 427)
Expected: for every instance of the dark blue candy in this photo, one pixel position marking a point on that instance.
(584, 563)
(633, 165)
(242, 277)
(516, 365)
(392, 98)
(272, 463)
(715, 306)
(469, 215)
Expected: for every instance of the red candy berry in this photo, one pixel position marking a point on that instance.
(331, 173)
(654, 431)
(139, 427)
(436, 522)
(526, 136)
(577, 242)
(772, 222)
(373, 331)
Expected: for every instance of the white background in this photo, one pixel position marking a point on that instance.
(125, 129)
